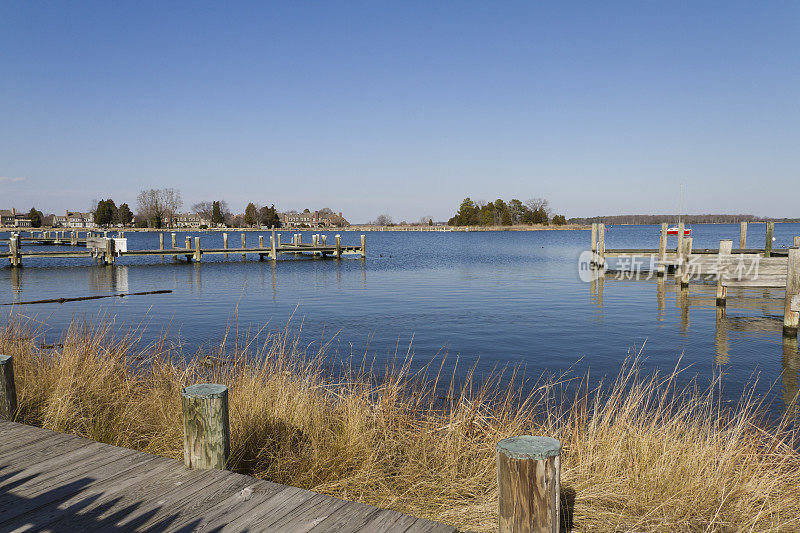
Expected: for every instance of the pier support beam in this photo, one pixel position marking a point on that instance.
(601, 244)
(161, 241)
(529, 484)
(725, 248)
(593, 242)
(273, 251)
(189, 253)
(174, 245)
(685, 271)
(197, 254)
(225, 242)
(8, 391)
(363, 246)
(338, 247)
(791, 313)
(768, 240)
(742, 235)
(662, 250)
(244, 244)
(110, 253)
(206, 432)
(260, 247)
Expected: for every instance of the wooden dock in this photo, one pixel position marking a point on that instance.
(726, 266)
(107, 250)
(57, 482)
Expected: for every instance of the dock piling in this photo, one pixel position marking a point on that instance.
(197, 249)
(790, 314)
(601, 243)
(338, 247)
(174, 245)
(768, 241)
(797, 242)
(742, 235)
(244, 244)
(685, 272)
(160, 241)
(225, 242)
(529, 484)
(273, 253)
(363, 246)
(206, 431)
(593, 241)
(725, 248)
(662, 250)
(8, 391)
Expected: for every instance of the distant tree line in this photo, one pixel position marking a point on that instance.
(673, 219)
(106, 213)
(502, 213)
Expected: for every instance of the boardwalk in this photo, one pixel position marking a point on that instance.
(56, 482)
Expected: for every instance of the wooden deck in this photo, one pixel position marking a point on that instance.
(56, 482)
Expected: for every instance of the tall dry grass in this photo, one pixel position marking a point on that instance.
(639, 454)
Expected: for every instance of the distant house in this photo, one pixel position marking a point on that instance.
(60, 221)
(11, 219)
(314, 219)
(79, 220)
(190, 220)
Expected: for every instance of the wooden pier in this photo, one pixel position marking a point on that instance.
(726, 267)
(107, 249)
(56, 482)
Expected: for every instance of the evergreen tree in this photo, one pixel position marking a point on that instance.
(216, 214)
(36, 217)
(124, 215)
(251, 214)
(104, 214)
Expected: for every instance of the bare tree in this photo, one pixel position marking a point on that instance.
(204, 209)
(534, 204)
(158, 206)
(383, 220)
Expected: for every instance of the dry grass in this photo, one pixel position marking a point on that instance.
(639, 455)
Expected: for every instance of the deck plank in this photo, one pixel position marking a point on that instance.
(56, 482)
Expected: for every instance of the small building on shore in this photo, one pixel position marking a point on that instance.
(315, 219)
(190, 220)
(75, 220)
(9, 218)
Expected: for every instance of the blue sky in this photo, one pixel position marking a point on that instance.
(403, 108)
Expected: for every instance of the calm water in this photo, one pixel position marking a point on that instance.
(490, 298)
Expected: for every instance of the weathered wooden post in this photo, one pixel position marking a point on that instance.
(529, 484)
(338, 247)
(324, 240)
(315, 239)
(74, 238)
(206, 432)
(225, 242)
(662, 250)
(687, 252)
(188, 254)
(244, 244)
(601, 243)
(110, 253)
(679, 250)
(768, 241)
(363, 246)
(8, 391)
(161, 241)
(742, 235)
(725, 248)
(261, 242)
(797, 241)
(273, 249)
(791, 312)
(593, 242)
(197, 249)
(174, 245)
(13, 250)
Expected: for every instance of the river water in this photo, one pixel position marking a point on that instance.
(489, 298)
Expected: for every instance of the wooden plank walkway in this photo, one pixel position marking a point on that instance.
(57, 482)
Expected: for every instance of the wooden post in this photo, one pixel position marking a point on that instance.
(197, 249)
(8, 391)
(244, 244)
(74, 238)
(109, 257)
(725, 248)
(687, 252)
(261, 242)
(324, 240)
(679, 251)
(662, 250)
(790, 316)
(768, 241)
(797, 242)
(161, 241)
(363, 246)
(13, 250)
(338, 247)
(742, 235)
(225, 242)
(206, 432)
(174, 245)
(273, 249)
(529, 484)
(593, 242)
(601, 243)
(188, 249)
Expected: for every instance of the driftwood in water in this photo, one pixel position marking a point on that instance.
(82, 298)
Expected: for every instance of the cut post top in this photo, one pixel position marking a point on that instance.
(204, 390)
(528, 447)
(5, 359)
